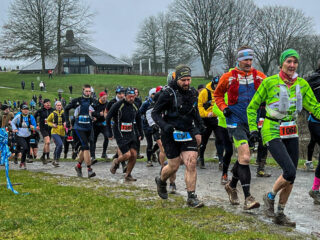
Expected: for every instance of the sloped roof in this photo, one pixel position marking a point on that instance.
(50, 62)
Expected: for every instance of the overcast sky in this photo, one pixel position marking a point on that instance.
(117, 21)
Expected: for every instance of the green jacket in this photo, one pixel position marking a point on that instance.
(269, 92)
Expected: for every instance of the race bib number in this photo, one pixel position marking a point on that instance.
(126, 127)
(45, 121)
(84, 119)
(69, 139)
(180, 136)
(288, 130)
(260, 122)
(32, 141)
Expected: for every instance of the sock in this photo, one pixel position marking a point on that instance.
(48, 156)
(79, 165)
(271, 195)
(44, 154)
(245, 178)
(281, 208)
(234, 182)
(316, 184)
(191, 194)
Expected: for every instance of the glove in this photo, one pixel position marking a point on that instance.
(254, 137)
(168, 129)
(227, 112)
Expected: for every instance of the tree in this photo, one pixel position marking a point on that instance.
(202, 26)
(29, 30)
(239, 30)
(148, 41)
(70, 14)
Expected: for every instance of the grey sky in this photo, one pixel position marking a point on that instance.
(117, 21)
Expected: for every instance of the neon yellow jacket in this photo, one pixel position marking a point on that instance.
(203, 98)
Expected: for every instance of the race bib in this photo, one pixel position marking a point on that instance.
(180, 136)
(84, 119)
(45, 121)
(288, 130)
(69, 139)
(32, 141)
(126, 127)
(260, 122)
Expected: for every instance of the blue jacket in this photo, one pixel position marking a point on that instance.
(23, 129)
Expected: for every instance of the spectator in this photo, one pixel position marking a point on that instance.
(23, 84)
(70, 89)
(50, 73)
(41, 85)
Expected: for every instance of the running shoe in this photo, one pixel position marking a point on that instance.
(93, 160)
(194, 202)
(233, 194)
(315, 195)
(55, 163)
(224, 179)
(161, 188)
(23, 166)
(140, 156)
(149, 164)
(129, 178)
(282, 219)
(44, 161)
(250, 203)
(263, 174)
(114, 166)
(309, 166)
(91, 173)
(103, 155)
(269, 205)
(78, 170)
(172, 188)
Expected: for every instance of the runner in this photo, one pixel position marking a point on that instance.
(56, 121)
(285, 95)
(125, 114)
(240, 84)
(45, 130)
(34, 141)
(176, 113)
(82, 127)
(99, 125)
(22, 124)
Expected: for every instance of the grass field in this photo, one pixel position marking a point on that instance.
(60, 207)
(99, 83)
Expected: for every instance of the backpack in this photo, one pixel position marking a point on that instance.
(20, 121)
(207, 104)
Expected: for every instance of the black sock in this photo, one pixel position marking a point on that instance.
(235, 177)
(48, 156)
(44, 154)
(245, 178)
(191, 194)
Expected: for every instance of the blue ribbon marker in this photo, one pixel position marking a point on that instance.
(5, 154)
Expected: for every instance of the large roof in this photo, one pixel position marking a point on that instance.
(50, 62)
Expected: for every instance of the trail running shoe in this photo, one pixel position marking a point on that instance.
(268, 205)
(78, 170)
(233, 194)
(309, 166)
(282, 219)
(114, 166)
(250, 203)
(149, 164)
(44, 161)
(23, 166)
(55, 163)
(93, 160)
(172, 188)
(263, 174)
(161, 188)
(91, 173)
(129, 178)
(315, 195)
(194, 202)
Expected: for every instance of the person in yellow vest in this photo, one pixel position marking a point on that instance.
(56, 121)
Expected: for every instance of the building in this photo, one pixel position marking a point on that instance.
(81, 58)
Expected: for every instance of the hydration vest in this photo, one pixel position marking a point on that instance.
(233, 90)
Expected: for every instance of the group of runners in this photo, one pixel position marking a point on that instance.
(242, 107)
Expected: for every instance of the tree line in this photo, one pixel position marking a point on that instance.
(209, 28)
(38, 28)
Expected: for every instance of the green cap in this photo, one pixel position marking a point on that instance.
(288, 53)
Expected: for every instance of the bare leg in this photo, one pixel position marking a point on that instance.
(170, 169)
(190, 161)
(132, 161)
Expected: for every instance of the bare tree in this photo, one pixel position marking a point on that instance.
(148, 41)
(239, 30)
(29, 30)
(70, 15)
(277, 28)
(202, 25)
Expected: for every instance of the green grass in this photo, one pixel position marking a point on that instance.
(69, 208)
(99, 82)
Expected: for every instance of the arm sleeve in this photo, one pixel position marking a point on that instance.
(67, 109)
(220, 91)
(50, 120)
(162, 103)
(258, 98)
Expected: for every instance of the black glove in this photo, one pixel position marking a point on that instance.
(227, 112)
(168, 129)
(254, 137)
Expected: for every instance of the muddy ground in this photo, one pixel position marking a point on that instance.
(300, 207)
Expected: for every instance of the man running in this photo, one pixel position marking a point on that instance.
(125, 114)
(82, 127)
(240, 83)
(99, 125)
(45, 130)
(285, 95)
(176, 113)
